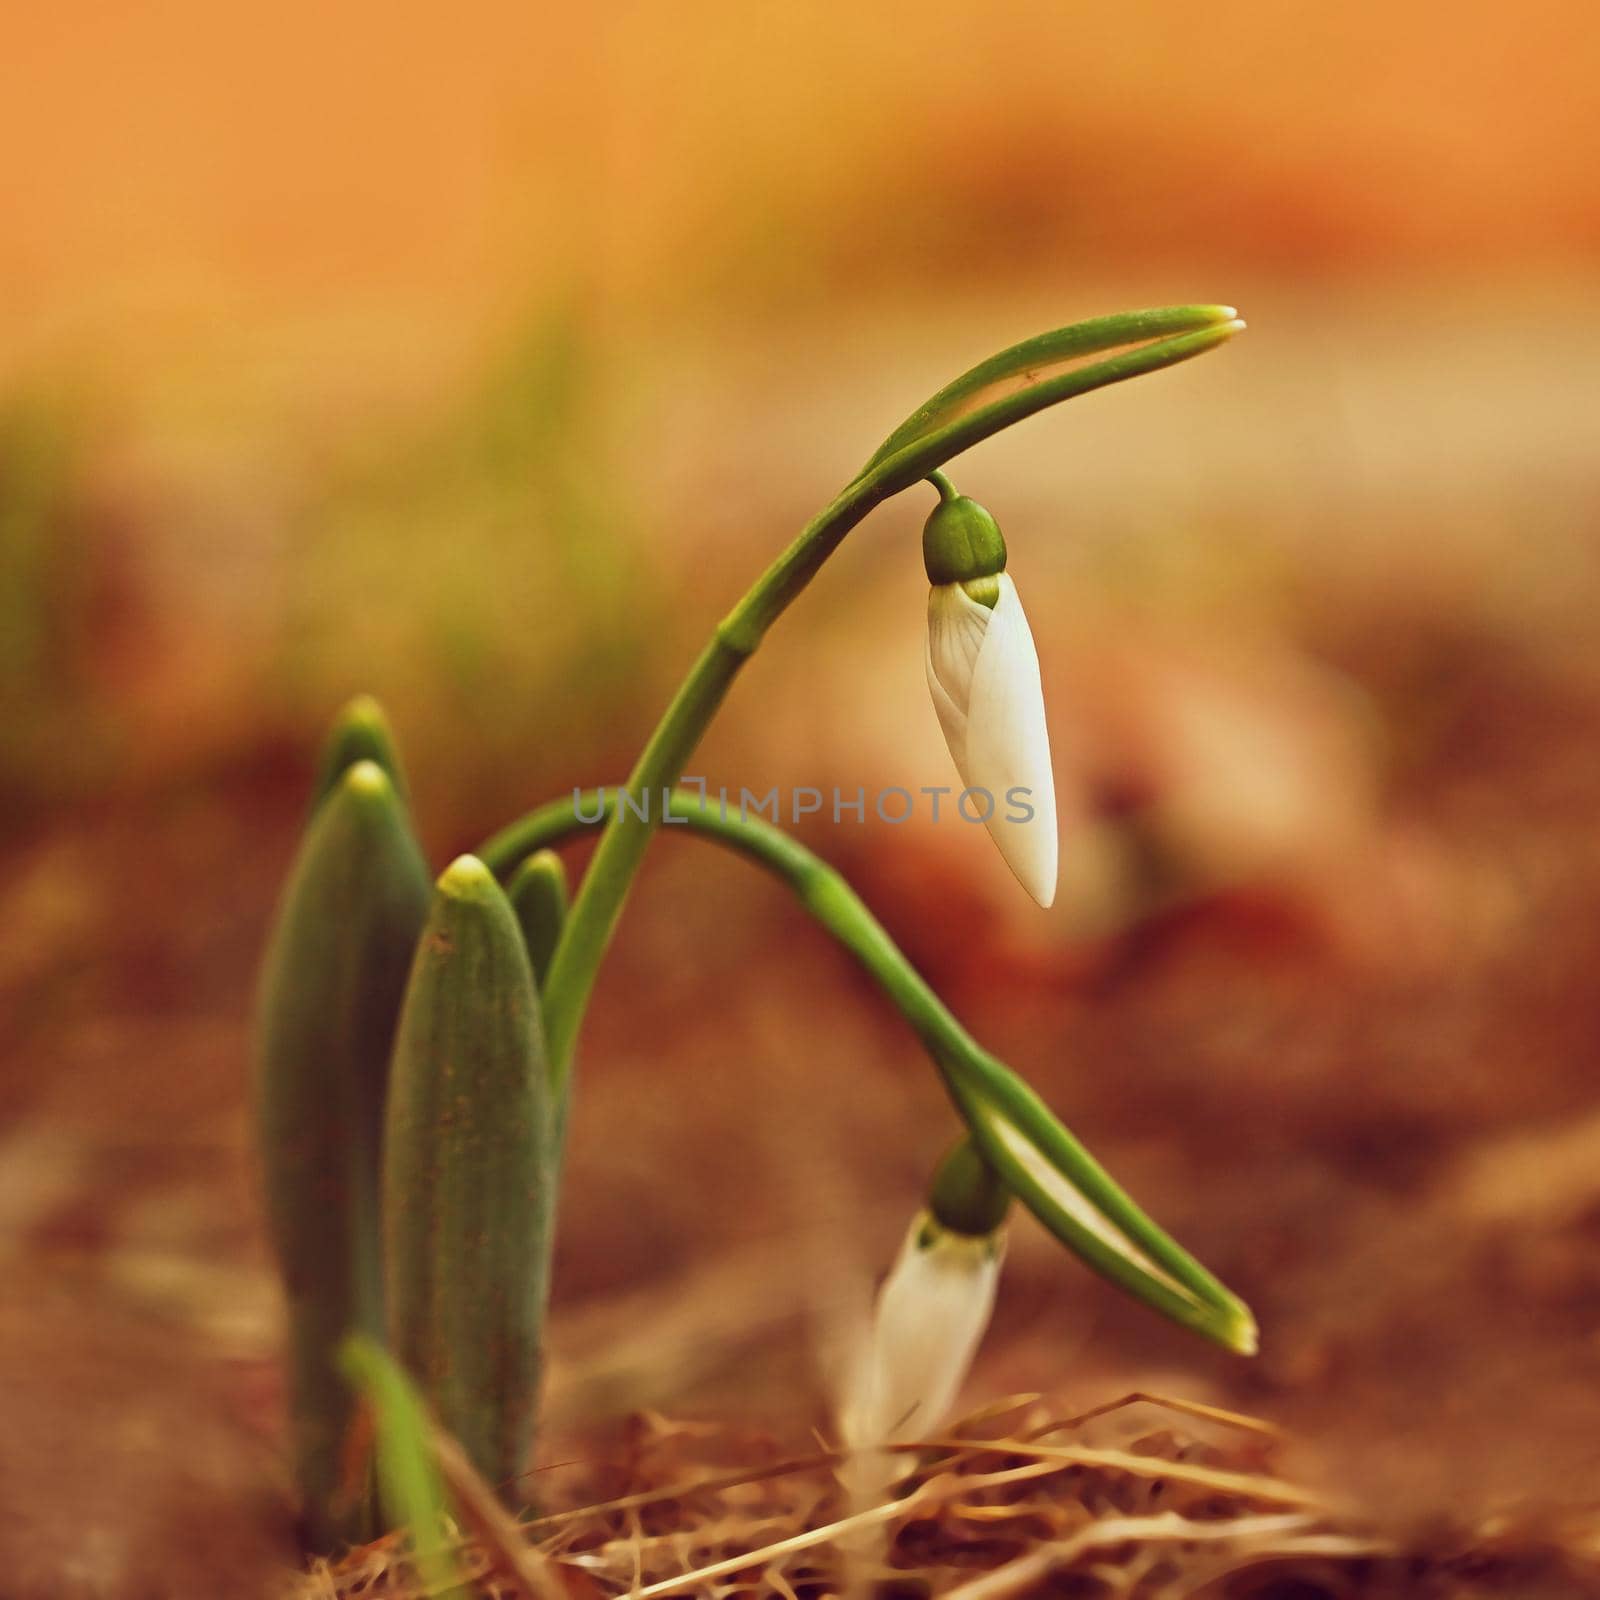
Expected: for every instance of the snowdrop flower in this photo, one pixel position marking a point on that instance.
(983, 674)
(933, 1309)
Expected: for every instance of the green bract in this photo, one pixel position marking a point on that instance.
(990, 390)
(1076, 1199)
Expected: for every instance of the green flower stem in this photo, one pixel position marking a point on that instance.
(957, 418)
(1015, 1130)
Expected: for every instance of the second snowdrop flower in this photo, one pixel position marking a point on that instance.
(983, 674)
(933, 1308)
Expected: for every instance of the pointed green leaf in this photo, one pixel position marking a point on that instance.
(538, 895)
(467, 1190)
(360, 732)
(333, 978)
(409, 1481)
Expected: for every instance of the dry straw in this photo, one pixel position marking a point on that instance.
(1015, 1501)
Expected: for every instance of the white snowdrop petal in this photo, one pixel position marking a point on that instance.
(930, 1317)
(956, 628)
(983, 675)
(1008, 746)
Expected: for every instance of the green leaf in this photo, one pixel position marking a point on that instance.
(360, 732)
(409, 1480)
(467, 1186)
(538, 895)
(332, 982)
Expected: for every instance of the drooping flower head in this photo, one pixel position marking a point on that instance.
(933, 1308)
(983, 674)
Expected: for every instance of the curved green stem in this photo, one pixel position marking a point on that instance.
(955, 419)
(1039, 1159)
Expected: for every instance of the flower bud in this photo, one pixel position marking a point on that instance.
(932, 1311)
(983, 674)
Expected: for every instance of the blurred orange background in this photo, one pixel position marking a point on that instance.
(480, 359)
(298, 292)
(291, 161)
(270, 274)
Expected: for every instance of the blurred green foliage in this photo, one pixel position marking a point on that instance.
(473, 560)
(482, 573)
(48, 737)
